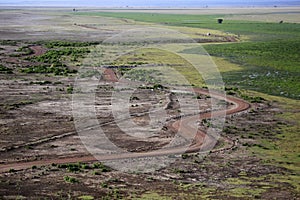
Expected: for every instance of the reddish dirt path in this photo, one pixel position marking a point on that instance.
(109, 75)
(38, 50)
(92, 27)
(86, 26)
(201, 141)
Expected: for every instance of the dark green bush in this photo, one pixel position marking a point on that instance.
(56, 69)
(8, 42)
(70, 90)
(53, 44)
(70, 179)
(5, 70)
(25, 50)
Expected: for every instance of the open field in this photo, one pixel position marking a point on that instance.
(267, 14)
(270, 59)
(290, 15)
(46, 54)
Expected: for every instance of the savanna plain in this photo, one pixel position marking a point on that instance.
(46, 53)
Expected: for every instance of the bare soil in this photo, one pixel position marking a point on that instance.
(192, 175)
(37, 132)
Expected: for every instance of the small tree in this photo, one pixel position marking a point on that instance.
(220, 21)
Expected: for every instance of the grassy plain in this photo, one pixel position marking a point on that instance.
(260, 31)
(266, 63)
(261, 65)
(269, 57)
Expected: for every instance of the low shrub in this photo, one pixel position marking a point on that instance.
(5, 70)
(70, 179)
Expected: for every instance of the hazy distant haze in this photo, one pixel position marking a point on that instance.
(151, 3)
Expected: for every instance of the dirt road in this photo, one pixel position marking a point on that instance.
(110, 76)
(38, 50)
(201, 142)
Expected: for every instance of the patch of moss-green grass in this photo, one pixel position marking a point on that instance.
(282, 149)
(86, 197)
(246, 192)
(268, 67)
(157, 65)
(152, 195)
(55, 44)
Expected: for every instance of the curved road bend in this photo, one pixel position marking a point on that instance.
(201, 140)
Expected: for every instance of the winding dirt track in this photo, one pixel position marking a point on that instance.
(38, 50)
(201, 140)
(109, 75)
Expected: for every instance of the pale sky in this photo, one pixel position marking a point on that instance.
(149, 3)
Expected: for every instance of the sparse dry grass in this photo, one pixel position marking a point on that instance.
(268, 17)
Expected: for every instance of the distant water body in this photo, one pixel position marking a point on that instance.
(153, 3)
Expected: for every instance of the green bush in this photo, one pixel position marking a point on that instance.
(70, 179)
(86, 197)
(41, 82)
(17, 105)
(5, 70)
(104, 185)
(8, 42)
(11, 170)
(255, 99)
(56, 69)
(184, 156)
(71, 167)
(77, 167)
(96, 172)
(52, 60)
(53, 44)
(25, 50)
(102, 167)
(70, 90)
(53, 56)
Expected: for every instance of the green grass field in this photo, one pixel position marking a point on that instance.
(269, 58)
(259, 31)
(269, 67)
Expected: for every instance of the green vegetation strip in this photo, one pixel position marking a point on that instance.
(53, 56)
(53, 60)
(77, 167)
(255, 30)
(269, 67)
(53, 44)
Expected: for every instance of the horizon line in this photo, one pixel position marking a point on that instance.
(153, 7)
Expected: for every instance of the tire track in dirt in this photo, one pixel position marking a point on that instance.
(38, 50)
(92, 27)
(110, 76)
(201, 142)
